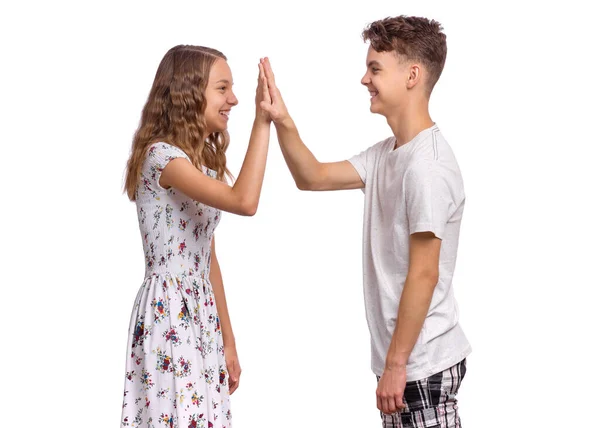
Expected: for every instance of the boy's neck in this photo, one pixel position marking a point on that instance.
(409, 123)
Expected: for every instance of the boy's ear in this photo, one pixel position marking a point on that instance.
(415, 74)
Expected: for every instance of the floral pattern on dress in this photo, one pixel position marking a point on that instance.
(175, 372)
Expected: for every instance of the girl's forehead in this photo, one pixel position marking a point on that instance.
(220, 70)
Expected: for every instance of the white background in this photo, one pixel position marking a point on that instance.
(518, 102)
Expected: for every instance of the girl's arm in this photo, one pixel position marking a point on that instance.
(231, 358)
(241, 198)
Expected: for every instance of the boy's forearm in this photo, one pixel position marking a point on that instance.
(301, 162)
(412, 311)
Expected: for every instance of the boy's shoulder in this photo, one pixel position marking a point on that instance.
(382, 145)
(432, 148)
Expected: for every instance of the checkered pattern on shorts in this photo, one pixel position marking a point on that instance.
(430, 402)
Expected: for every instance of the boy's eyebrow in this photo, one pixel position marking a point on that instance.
(373, 62)
(222, 80)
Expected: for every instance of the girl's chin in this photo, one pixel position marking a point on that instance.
(221, 127)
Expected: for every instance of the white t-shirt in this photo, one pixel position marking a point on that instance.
(417, 187)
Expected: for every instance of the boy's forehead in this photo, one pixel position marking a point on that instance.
(380, 57)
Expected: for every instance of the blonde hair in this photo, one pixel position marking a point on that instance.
(174, 113)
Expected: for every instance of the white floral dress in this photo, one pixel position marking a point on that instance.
(176, 375)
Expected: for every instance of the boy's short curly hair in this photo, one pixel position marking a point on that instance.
(412, 38)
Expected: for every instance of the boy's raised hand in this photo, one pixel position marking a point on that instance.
(275, 106)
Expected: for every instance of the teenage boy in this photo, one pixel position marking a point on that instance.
(414, 200)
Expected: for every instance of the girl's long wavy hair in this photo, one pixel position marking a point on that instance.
(174, 113)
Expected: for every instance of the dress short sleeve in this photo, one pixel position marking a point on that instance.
(159, 155)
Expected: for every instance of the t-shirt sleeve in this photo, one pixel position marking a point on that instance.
(429, 201)
(159, 155)
(359, 162)
(364, 162)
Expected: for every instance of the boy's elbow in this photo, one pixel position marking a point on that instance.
(303, 185)
(314, 182)
(428, 277)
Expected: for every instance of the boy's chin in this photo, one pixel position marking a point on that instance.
(376, 109)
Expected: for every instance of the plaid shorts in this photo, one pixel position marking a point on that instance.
(430, 402)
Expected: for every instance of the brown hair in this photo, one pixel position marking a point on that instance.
(413, 39)
(174, 113)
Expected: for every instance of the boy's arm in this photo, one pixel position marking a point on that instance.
(308, 172)
(422, 277)
(429, 204)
